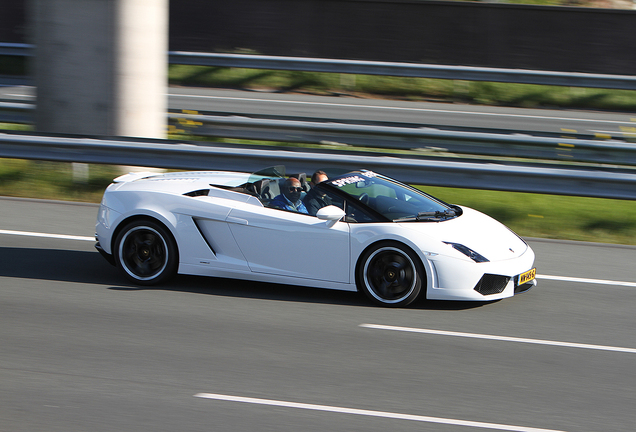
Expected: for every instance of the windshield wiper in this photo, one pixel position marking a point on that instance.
(431, 216)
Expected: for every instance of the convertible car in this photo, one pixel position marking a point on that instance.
(371, 233)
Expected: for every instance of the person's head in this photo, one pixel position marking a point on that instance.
(292, 189)
(318, 176)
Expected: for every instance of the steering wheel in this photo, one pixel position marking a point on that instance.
(364, 198)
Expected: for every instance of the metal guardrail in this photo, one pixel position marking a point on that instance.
(15, 49)
(171, 154)
(413, 70)
(521, 76)
(408, 138)
(556, 179)
(428, 140)
(16, 112)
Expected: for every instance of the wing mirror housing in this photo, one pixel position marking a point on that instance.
(331, 214)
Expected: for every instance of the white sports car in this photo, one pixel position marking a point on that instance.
(368, 233)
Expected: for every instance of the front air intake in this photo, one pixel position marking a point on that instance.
(491, 284)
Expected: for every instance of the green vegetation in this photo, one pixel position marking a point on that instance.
(551, 216)
(530, 215)
(15, 127)
(55, 180)
(604, 4)
(369, 86)
(415, 89)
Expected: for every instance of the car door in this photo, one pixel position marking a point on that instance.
(292, 244)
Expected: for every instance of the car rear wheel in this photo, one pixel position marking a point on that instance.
(390, 274)
(146, 252)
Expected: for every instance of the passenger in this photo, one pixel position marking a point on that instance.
(289, 199)
(315, 200)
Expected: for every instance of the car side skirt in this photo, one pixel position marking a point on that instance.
(204, 270)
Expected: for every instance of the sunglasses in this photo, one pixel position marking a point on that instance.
(297, 189)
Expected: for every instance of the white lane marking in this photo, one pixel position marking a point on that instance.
(46, 235)
(405, 109)
(370, 413)
(501, 338)
(584, 280)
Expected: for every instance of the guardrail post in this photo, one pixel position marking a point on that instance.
(100, 66)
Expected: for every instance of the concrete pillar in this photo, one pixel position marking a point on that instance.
(100, 66)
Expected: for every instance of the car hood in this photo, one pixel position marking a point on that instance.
(475, 230)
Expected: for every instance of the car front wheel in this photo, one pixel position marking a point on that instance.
(146, 252)
(390, 274)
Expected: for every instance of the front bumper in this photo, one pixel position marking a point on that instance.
(457, 279)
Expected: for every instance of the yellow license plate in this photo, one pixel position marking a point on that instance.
(527, 276)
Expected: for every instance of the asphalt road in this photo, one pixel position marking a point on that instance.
(83, 350)
(379, 111)
(389, 112)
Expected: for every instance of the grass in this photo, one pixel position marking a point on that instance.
(530, 215)
(55, 180)
(414, 89)
(370, 86)
(552, 216)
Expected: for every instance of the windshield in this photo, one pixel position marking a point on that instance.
(392, 199)
(277, 171)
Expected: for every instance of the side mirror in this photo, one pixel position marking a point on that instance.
(331, 214)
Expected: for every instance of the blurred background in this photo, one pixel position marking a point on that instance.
(570, 37)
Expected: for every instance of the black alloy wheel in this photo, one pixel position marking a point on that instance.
(390, 274)
(146, 252)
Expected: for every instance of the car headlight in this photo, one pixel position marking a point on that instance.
(468, 252)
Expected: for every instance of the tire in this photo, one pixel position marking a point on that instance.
(146, 252)
(390, 274)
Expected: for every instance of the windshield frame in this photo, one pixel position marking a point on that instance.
(273, 172)
(408, 204)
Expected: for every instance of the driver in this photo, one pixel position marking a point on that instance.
(315, 200)
(289, 199)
